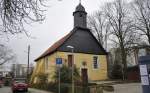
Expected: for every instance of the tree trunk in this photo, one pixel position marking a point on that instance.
(124, 62)
(149, 38)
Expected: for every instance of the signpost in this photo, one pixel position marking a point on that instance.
(59, 63)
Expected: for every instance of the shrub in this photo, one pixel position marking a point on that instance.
(116, 72)
(66, 74)
(53, 87)
(42, 81)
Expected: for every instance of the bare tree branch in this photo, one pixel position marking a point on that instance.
(14, 14)
(142, 15)
(122, 28)
(6, 55)
(100, 28)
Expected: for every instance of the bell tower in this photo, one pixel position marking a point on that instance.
(80, 16)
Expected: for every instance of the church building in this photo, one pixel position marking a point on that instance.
(79, 47)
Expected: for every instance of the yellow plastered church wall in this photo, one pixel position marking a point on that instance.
(51, 66)
(93, 74)
(39, 68)
(101, 72)
(42, 67)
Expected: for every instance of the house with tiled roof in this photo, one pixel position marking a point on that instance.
(79, 47)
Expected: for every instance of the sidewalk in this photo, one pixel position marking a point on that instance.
(33, 90)
(127, 88)
(122, 86)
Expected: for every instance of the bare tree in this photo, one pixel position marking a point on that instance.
(15, 13)
(121, 28)
(6, 55)
(98, 24)
(142, 16)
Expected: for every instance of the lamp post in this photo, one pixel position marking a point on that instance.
(28, 63)
(72, 51)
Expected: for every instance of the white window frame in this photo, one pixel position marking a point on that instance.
(98, 63)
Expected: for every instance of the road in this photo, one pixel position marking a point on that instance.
(119, 88)
(8, 90)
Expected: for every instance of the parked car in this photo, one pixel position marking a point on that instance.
(19, 84)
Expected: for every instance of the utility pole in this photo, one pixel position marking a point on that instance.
(28, 61)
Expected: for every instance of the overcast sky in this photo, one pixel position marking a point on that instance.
(58, 22)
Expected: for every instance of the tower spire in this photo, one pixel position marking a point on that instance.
(80, 16)
(79, 1)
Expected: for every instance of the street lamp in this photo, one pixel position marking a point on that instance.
(71, 47)
(28, 63)
(72, 51)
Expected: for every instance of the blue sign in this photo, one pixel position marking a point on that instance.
(58, 61)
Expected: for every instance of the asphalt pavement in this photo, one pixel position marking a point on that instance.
(31, 90)
(5, 90)
(119, 88)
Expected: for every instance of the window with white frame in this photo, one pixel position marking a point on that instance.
(95, 62)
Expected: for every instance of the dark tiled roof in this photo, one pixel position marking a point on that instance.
(80, 8)
(54, 47)
(58, 44)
